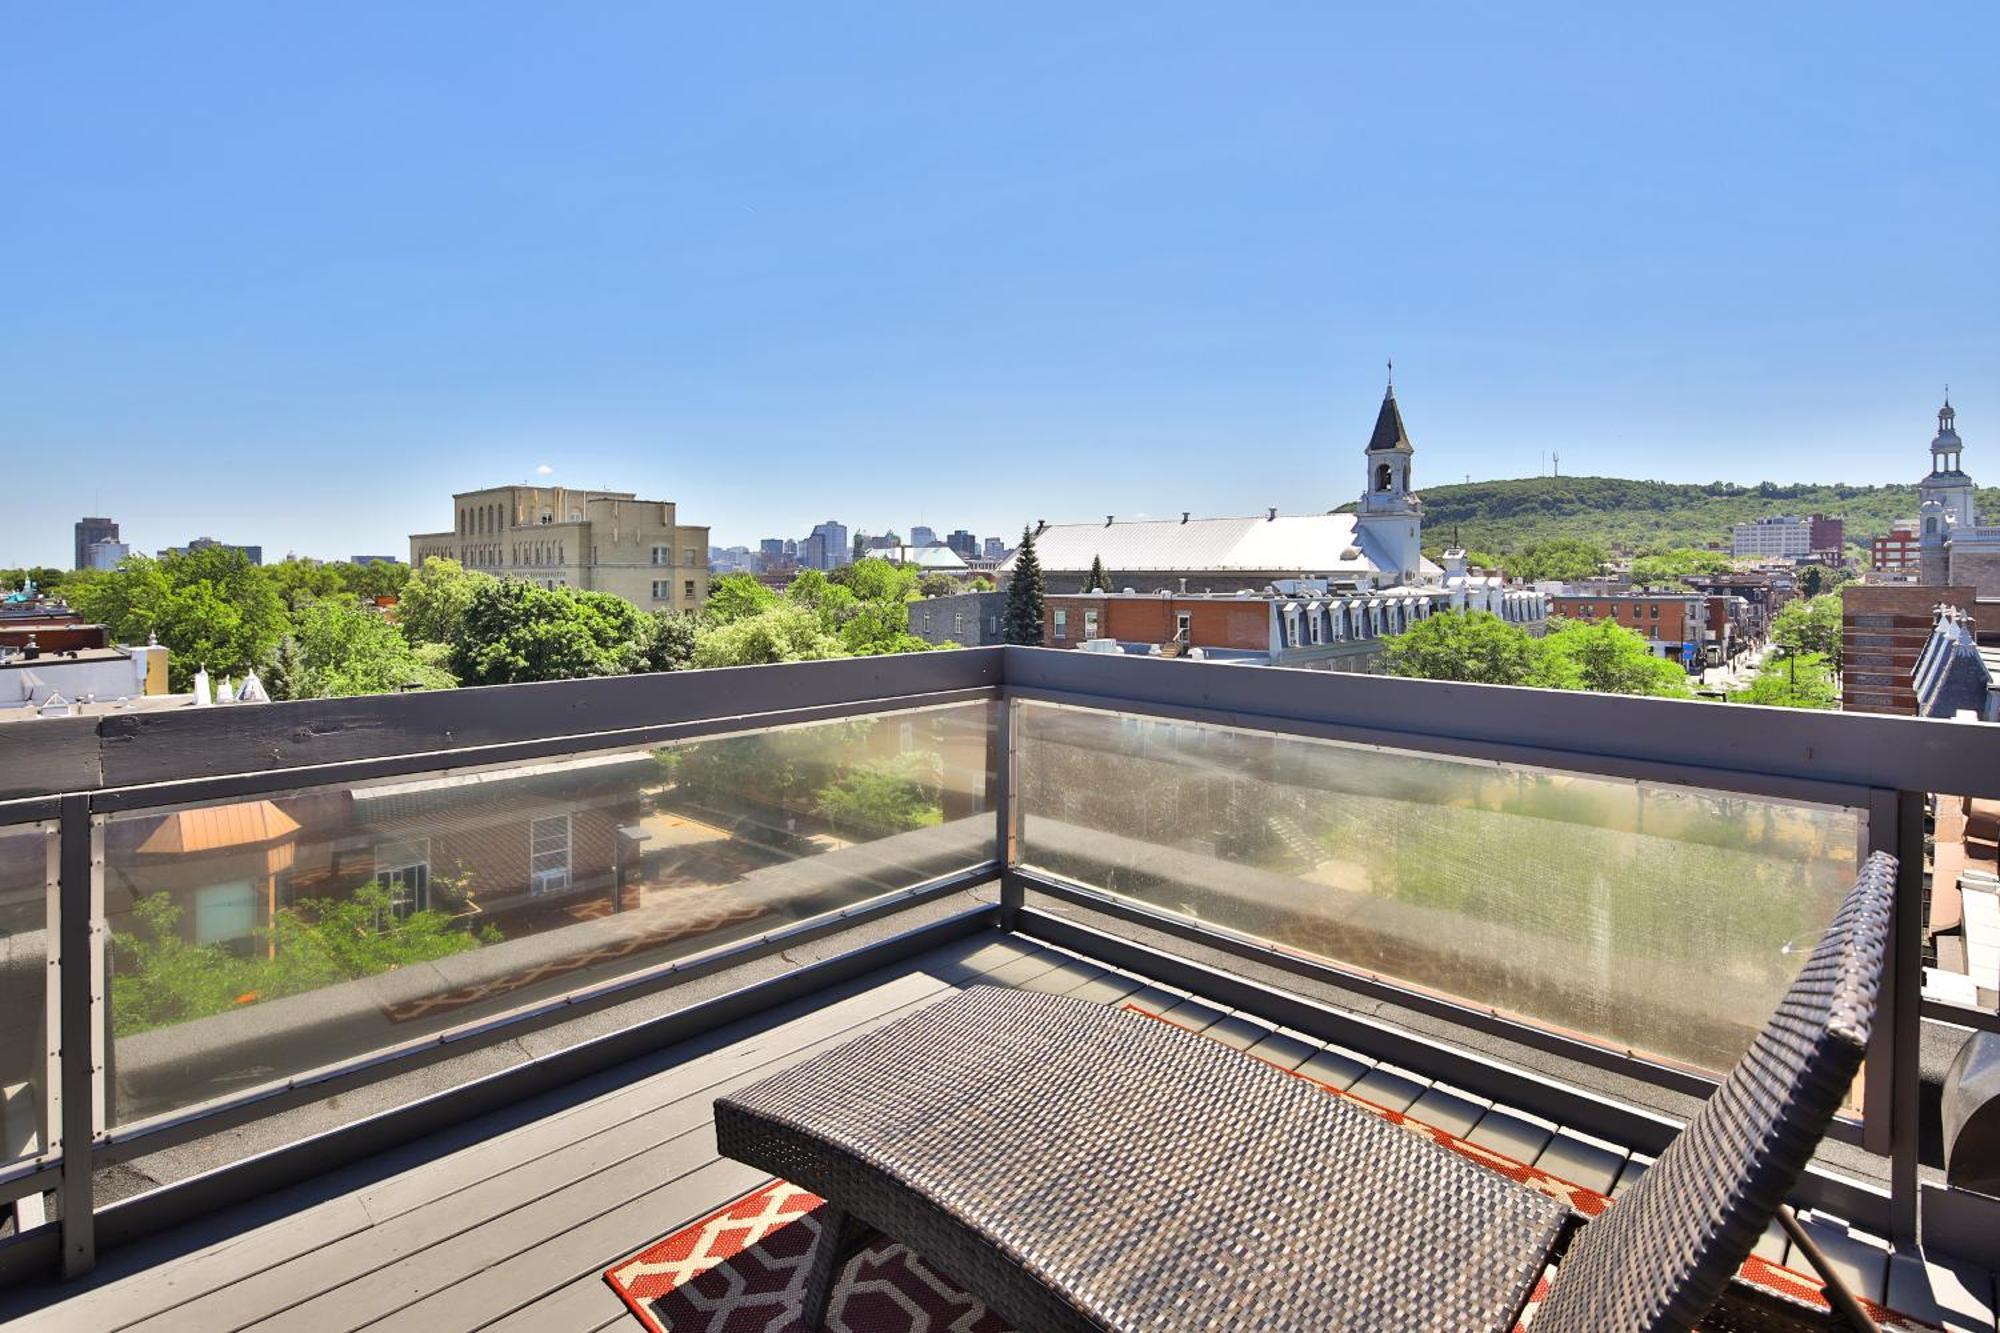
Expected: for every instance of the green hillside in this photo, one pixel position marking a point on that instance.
(1638, 516)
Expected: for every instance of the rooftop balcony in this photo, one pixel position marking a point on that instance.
(411, 1010)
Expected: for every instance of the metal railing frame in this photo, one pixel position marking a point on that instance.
(80, 770)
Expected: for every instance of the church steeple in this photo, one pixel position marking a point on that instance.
(1946, 448)
(1389, 516)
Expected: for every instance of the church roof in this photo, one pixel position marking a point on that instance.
(1389, 432)
(1305, 544)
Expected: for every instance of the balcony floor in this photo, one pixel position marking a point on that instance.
(508, 1221)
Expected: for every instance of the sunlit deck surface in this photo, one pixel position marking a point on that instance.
(508, 1220)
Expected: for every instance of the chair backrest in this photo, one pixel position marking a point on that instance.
(1663, 1254)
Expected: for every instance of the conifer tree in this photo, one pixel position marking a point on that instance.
(1023, 621)
(1099, 580)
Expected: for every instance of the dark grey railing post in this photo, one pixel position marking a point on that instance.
(1006, 813)
(77, 1035)
(1903, 983)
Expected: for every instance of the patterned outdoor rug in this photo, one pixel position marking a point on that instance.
(741, 1269)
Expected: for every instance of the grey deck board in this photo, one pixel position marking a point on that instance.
(587, 1303)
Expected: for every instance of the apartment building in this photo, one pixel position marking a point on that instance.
(604, 541)
(1778, 536)
(1676, 625)
(1900, 552)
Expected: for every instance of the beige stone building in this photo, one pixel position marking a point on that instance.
(607, 541)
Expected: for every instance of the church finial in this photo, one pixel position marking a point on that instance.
(1392, 377)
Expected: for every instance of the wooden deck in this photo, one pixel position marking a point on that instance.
(509, 1221)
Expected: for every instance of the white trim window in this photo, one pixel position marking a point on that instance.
(663, 555)
(548, 854)
(403, 868)
(663, 589)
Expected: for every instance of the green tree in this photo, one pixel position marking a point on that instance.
(937, 585)
(1022, 622)
(1463, 645)
(876, 580)
(380, 579)
(1674, 565)
(1809, 625)
(883, 796)
(667, 642)
(1606, 658)
(734, 596)
(435, 598)
(1564, 558)
(300, 581)
(980, 583)
(46, 578)
(517, 631)
(786, 631)
(1099, 580)
(338, 646)
(1802, 680)
(211, 608)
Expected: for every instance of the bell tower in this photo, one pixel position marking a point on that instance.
(1389, 519)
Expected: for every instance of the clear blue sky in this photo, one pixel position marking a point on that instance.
(292, 278)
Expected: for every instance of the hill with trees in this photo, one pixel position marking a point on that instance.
(1644, 517)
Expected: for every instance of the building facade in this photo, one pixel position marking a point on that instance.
(1883, 630)
(1676, 625)
(1897, 553)
(827, 547)
(89, 531)
(602, 541)
(968, 619)
(105, 555)
(1778, 537)
(1829, 534)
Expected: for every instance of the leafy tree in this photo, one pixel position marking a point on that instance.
(1463, 645)
(937, 585)
(1099, 580)
(340, 647)
(1564, 558)
(380, 579)
(786, 631)
(734, 596)
(884, 796)
(1022, 622)
(300, 581)
(517, 631)
(162, 978)
(210, 608)
(1801, 680)
(1809, 625)
(435, 598)
(1818, 580)
(1606, 658)
(46, 578)
(666, 642)
(980, 583)
(873, 580)
(1672, 566)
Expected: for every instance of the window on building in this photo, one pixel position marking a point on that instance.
(404, 870)
(1062, 622)
(1654, 610)
(662, 589)
(548, 854)
(1183, 625)
(1090, 624)
(690, 556)
(687, 589)
(663, 555)
(1312, 625)
(226, 914)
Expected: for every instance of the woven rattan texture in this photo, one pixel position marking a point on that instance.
(1079, 1167)
(1662, 1256)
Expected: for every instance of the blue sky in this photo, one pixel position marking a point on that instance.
(293, 278)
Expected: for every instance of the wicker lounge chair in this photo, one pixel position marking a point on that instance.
(1079, 1167)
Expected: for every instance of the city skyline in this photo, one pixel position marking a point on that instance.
(848, 268)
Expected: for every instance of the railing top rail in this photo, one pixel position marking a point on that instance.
(396, 732)
(1855, 749)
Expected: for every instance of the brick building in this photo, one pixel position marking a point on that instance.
(1897, 553)
(1677, 626)
(1884, 627)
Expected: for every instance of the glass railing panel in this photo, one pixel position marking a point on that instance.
(260, 939)
(27, 871)
(1660, 919)
(1962, 903)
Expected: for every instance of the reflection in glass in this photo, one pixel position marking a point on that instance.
(264, 938)
(1663, 919)
(26, 869)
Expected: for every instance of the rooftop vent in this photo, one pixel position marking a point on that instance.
(1107, 520)
(1271, 514)
(1184, 515)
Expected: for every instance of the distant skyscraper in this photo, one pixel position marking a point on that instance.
(922, 536)
(964, 543)
(827, 547)
(88, 531)
(996, 549)
(105, 555)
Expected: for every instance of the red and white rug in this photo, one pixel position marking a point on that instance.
(742, 1270)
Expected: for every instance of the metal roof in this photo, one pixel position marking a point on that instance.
(1302, 543)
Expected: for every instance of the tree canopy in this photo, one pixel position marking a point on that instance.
(1564, 558)
(211, 607)
(517, 631)
(435, 599)
(1809, 625)
(1606, 658)
(339, 647)
(1473, 646)
(1672, 566)
(1803, 680)
(1480, 647)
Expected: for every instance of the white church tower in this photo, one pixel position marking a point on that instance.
(1947, 482)
(1389, 519)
